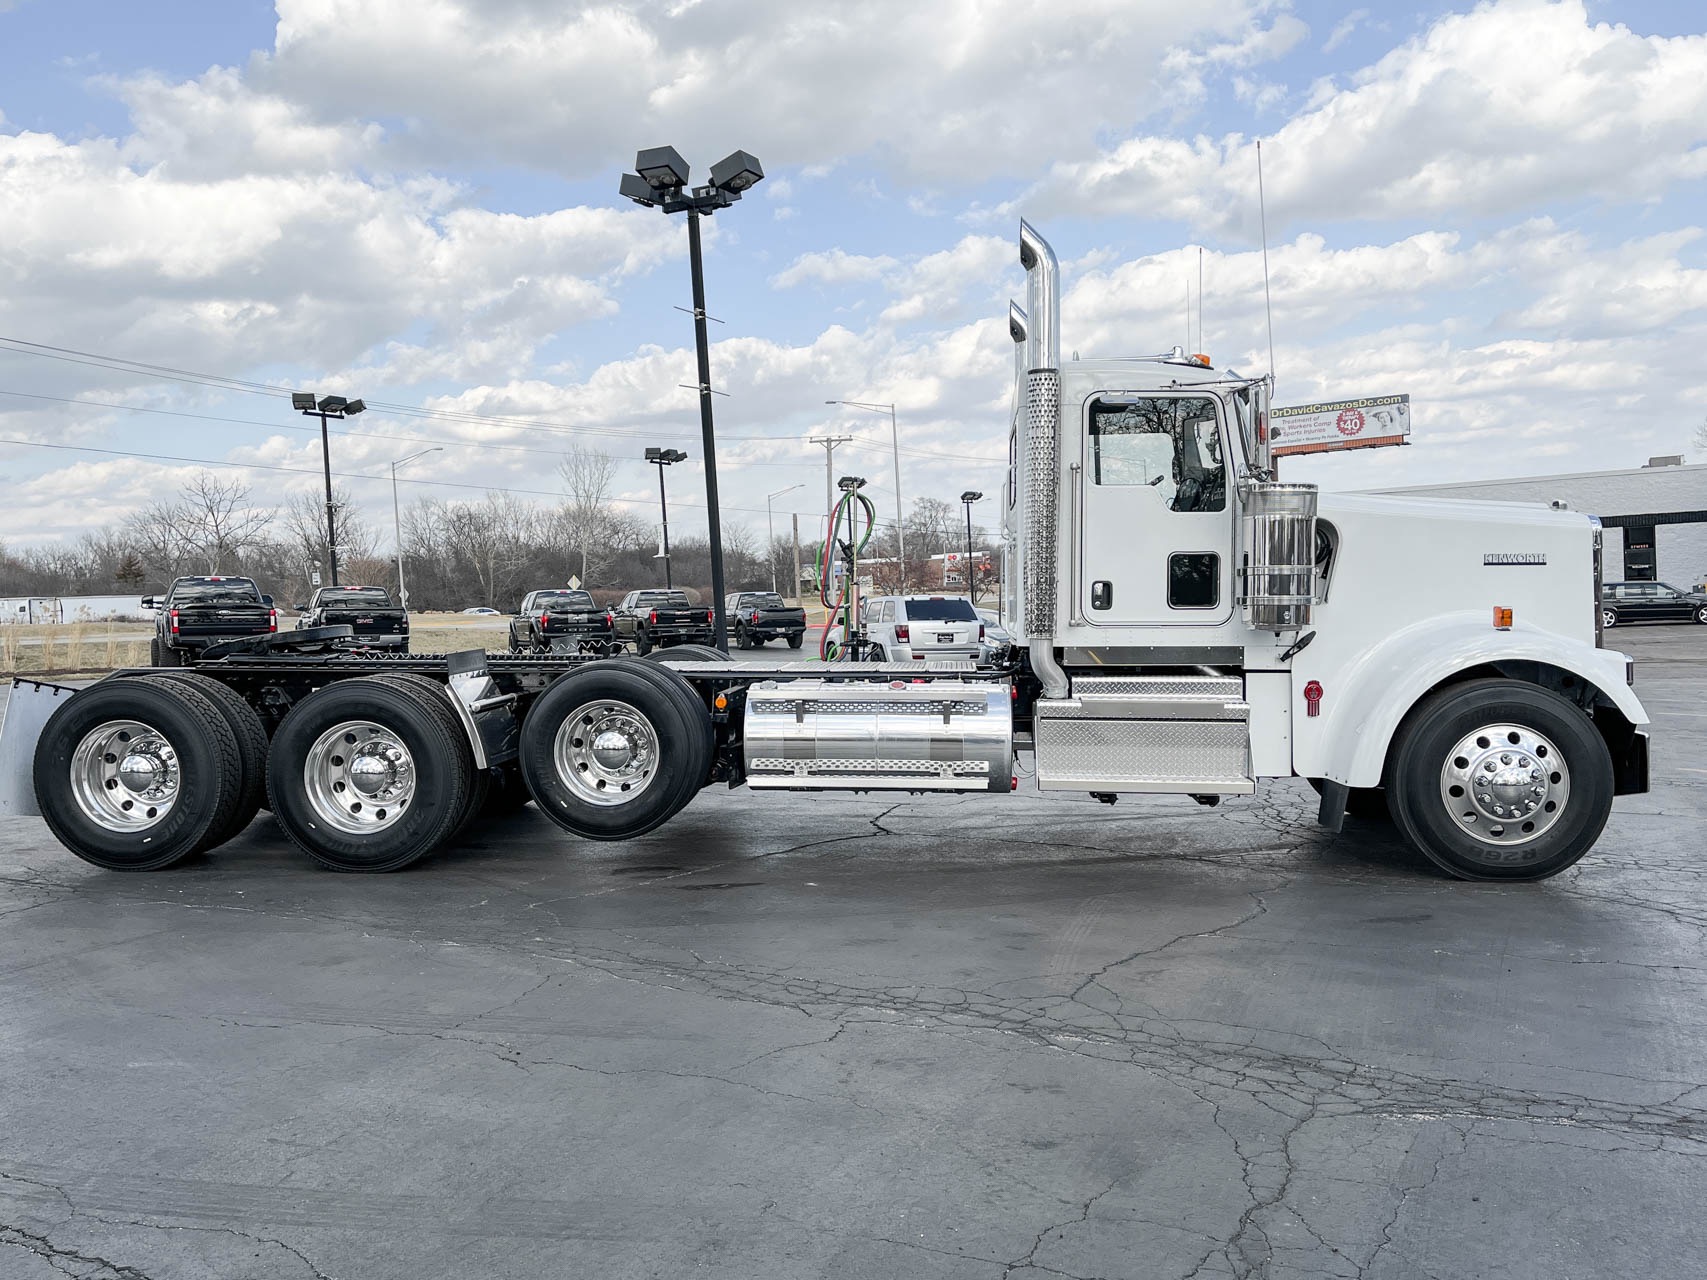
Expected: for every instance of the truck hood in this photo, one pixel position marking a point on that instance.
(1457, 511)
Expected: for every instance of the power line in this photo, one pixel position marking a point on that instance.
(121, 364)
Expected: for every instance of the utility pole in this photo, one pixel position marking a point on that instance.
(829, 443)
(798, 598)
(895, 447)
(770, 530)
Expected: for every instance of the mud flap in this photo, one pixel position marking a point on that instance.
(26, 712)
(1335, 796)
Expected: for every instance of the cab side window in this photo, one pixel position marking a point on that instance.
(1168, 443)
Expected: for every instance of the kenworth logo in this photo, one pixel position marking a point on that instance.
(1514, 557)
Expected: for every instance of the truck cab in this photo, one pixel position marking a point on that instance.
(1189, 623)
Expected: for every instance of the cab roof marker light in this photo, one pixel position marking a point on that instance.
(1502, 617)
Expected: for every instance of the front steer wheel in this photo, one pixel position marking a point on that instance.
(1500, 780)
(133, 775)
(368, 775)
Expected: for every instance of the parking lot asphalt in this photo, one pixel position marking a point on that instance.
(856, 1036)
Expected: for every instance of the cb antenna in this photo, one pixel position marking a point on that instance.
(1199, 346)
(1267, 302)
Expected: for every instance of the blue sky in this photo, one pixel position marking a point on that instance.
(1495, 208)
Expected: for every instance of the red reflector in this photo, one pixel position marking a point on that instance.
(654, 617)
(272, 619)
(544, 620)
(755, 616)
(709, 616)
(174, 619)
(1013, 784)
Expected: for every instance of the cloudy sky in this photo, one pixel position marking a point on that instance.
(1497, 209)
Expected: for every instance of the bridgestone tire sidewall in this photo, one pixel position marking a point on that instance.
(1437, 725)
(441, 776)
(625, 681)
(207, 762)
(251, 735)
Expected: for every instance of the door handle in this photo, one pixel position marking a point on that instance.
(1102, 594)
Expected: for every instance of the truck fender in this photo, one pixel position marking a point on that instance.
(1362, 705)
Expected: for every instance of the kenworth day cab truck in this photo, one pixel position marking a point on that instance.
(1183, 622)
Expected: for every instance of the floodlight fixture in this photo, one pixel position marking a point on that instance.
(332, 404)
(662, 167)
(847, 484)
(736, 172)
(638, 190)
(353, 408)
(971, 495)
(302, 400)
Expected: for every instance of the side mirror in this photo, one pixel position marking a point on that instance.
(150, 602)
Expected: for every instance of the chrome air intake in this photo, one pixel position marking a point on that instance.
(1042, 453)
(818, 735)
(1281, 543)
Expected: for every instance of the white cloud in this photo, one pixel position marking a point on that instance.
(1344, 29)
(930, 89)
(1514, 103)
(832, 267)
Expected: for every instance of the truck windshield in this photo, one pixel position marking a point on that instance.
(945, 610)
(370, 597)
(231, 591)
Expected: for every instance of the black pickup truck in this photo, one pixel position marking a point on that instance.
(659, 619)
(367, 611)
(559, 619)
(199, 611)
(758, 616)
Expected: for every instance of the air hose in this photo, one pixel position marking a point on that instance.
(852, 505)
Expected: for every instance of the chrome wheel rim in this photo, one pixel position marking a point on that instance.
(359, 777)
(1505, 784)
(606, 752)
(125, 776)
(1608, 617)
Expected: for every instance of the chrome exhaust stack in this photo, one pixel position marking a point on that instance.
(1042, 452)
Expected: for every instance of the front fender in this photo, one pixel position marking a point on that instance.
(1364, 702)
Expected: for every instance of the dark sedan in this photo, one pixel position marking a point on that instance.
(1650, 602)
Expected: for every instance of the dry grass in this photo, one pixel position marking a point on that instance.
(65, 648)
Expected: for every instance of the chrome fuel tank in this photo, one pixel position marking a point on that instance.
(812, 735)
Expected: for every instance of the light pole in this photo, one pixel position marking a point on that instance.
(397, 521)
(661, 181)
(969, 497)
(895, 446)
(663, 458)
(770, 529)
(323, 408)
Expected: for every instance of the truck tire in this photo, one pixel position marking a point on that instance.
(690, 653)
(251, 736)
(165, 655)
(366, 775)
(660, 671)
(741, 639)
(794, 640)
(1544, 771)
(134, 775)
(642, 645)
(608, 752)
(432, 693)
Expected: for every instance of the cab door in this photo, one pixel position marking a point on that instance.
(1155, 524)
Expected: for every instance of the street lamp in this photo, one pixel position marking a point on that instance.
(895, 445)
(770, 529)
(663, 458)
(660, 181)
(397, 521)
(323, 408)
(969, 497)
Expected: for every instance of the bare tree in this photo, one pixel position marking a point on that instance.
(587, 474)
(1699, 439)
(215, 523)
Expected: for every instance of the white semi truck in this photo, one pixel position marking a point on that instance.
(1184, 623)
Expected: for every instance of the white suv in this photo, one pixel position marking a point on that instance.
(902, 628)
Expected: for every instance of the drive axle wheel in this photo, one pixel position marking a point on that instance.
(1500, 780)
(134, 776)
(251, 736)
(611, 751)
(365, 775)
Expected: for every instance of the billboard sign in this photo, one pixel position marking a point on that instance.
(1341, 424)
